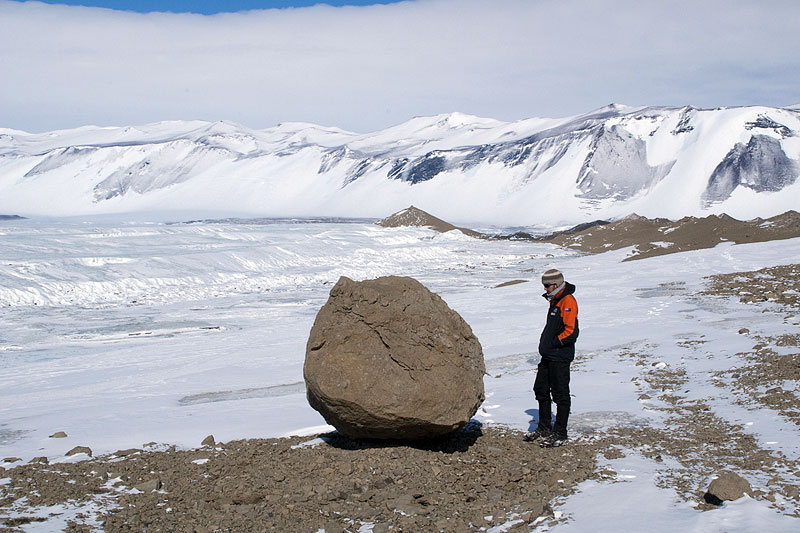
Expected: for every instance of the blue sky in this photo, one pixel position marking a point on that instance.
(208, 7)
(365, 68)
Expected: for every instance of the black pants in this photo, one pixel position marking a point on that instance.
(552, 384)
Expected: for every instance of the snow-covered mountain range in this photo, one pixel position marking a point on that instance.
(655, 161)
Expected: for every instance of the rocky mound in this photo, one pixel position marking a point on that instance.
(660, 236)
(388, 359)
(413, 216)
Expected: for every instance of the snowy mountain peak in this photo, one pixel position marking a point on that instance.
(657, 161)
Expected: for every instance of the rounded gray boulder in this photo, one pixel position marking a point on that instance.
(388, 359)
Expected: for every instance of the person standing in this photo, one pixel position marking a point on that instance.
(557, 349)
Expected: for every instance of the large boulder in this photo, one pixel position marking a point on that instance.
(388, 359)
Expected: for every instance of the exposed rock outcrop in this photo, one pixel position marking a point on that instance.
(79, 449)
(661, 236)
(413, 216)
(388, 359)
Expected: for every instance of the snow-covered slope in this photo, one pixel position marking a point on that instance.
(667, 162)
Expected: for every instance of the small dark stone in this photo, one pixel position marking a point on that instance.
(79, 449)
(149, 486)
(125, 453)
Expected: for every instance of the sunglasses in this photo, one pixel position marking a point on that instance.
(549, 284)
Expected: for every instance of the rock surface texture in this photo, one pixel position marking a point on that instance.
(388, 359)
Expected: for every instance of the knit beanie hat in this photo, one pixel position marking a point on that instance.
(552, 276)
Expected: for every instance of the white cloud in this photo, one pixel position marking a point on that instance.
(364, 68)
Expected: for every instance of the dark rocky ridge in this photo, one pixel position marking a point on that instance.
(649, 237)
(652, 237)
(760, 165)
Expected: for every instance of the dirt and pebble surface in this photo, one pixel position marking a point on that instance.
(770, 372)
(699, 442)
(478, 478)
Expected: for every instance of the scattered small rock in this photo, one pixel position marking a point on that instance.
(58, 435)
(209, 441)
(728, 486)
(744, 331)
(512, 282)
(40, 460)
(125, 453)
(80, 449)
(380, 528)
(149, 486)
(333, 527)
(613, 453)
(11, 459)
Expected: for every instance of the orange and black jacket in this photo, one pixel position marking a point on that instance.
(557, 342)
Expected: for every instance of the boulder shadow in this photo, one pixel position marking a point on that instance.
(458, 441)
(534, 423)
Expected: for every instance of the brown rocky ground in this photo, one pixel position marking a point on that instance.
(660, 236)
(477, 478)
(703, 443)
(699, 443)
(771, 370)
(648, 237)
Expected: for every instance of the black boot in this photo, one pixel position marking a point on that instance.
(545, 416)
(543, 430)
(537, 434)
(562, 416)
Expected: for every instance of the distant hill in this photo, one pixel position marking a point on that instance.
(413, 216)
(660, 236)
(647, 237)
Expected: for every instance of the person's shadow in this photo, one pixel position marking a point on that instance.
(534, 423)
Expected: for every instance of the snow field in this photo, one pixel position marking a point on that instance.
(121, 334)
